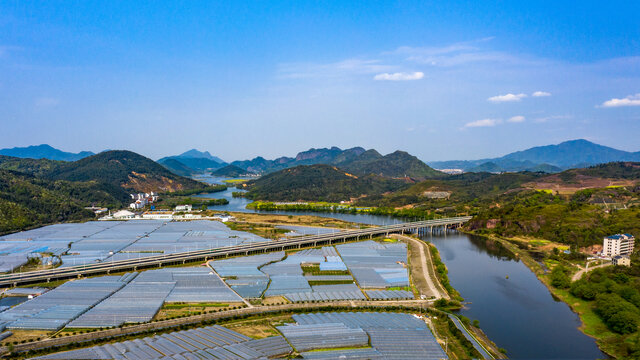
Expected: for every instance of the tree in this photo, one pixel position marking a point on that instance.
(559, 278)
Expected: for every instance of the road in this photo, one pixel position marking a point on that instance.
(426, 268)
(582, 271)
(31, 277)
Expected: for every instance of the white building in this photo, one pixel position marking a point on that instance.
(618, 244)
(184, 208)
(158, 215)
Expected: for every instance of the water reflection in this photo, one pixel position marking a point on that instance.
(514, 308)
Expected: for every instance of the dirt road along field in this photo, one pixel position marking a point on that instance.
(423, 272)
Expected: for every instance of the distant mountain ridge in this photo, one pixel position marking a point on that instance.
(192, 162)
(44, 151)
(231, 171)
(549, 158)
(312, 156)
(357, 161)
(194, 153)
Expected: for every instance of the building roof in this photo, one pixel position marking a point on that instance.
(620, 236)
(123, 213)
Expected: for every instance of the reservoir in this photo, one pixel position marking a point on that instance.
(518, 313)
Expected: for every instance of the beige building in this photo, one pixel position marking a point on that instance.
(618, 244)
(621, 260)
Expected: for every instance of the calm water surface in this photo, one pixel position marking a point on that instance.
(518, 313)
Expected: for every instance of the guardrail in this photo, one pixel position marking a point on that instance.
(216, 253)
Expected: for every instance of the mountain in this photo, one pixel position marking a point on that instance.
(398, 164)
(356, 160)
(191, 162)
(566, 155)
(177, 167)
(44, 151)
(35, 167)
(122, 172)
(318, 182)
(193, 153)
(260, 165)
(27, 201)
(230, 171)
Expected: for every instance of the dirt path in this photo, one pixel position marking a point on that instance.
(425, 268)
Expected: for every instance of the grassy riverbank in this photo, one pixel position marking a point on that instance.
(342, 208)
(613, 344)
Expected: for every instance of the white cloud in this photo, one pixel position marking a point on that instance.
(631, 100)
(483, 123)
(507, 98)
(516, 119)
(399, 76)
(541, 94)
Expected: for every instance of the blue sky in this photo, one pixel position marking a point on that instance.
(452, 80)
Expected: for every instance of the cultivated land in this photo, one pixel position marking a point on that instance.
(174, 315)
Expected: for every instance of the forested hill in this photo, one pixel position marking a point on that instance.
(318, 183)
(39, 191)
(126, 170)
(27, 201)
(357, 160)
(35, 167)
(398, 164)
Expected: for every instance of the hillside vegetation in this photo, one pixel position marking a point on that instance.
(398, 164)
(123, 170)
(35, 167)
(317, 182)
(35, 192)
(27, 201)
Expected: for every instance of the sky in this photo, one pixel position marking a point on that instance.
(441, 80)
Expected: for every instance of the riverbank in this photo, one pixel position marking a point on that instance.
(591, 324)
(327, 207)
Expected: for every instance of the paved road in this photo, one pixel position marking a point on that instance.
(426, 267)
(476, 344)
(578, 275)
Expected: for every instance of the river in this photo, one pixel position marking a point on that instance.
(518, 313)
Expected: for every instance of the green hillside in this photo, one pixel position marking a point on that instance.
(28, 201)
(177, 167)
(124, 170)
(317, 183)
(36, 167)
(398, 164)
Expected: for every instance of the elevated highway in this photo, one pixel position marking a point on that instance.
(156, 261)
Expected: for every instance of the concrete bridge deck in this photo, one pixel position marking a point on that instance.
(106, 267)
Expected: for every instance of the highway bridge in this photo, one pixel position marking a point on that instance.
(156, 261)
